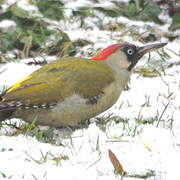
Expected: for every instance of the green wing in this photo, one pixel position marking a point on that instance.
(60, 79)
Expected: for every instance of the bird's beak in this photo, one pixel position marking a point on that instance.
(148, 48)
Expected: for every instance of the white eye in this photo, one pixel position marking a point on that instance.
(130, 51)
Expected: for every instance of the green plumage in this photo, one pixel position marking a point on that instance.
(60, 79)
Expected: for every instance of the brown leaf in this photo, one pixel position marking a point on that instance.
(117, 165)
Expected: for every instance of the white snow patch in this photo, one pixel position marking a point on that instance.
(106, 4)
(7, 23)
(77, 4)
(17, 72)
(25, 5)
(7, 26)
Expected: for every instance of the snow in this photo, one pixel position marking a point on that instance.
(8, 3)
(29, 8)
(107, 5)
(83, 153)
(81, 3)
(25, 5)
(7, 23)
(23, 155)
(16, 71)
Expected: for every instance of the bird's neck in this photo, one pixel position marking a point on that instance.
(118, 63)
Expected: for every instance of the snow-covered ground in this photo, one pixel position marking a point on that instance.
(144, 133)
(154, 148)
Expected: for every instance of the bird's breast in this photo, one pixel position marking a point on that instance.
(76, 108)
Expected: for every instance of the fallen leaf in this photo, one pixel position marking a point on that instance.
(117, 165)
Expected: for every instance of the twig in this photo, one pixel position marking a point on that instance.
(162, 115)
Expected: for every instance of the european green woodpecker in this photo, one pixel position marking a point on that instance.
(70, 90)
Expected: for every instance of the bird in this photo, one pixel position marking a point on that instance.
(71, 90)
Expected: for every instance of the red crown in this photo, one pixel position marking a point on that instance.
(106, 52)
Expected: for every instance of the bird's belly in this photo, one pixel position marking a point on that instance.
(73, 109)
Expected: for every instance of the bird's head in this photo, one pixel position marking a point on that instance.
(125, 55)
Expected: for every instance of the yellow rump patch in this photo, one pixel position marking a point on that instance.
(18, 84)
